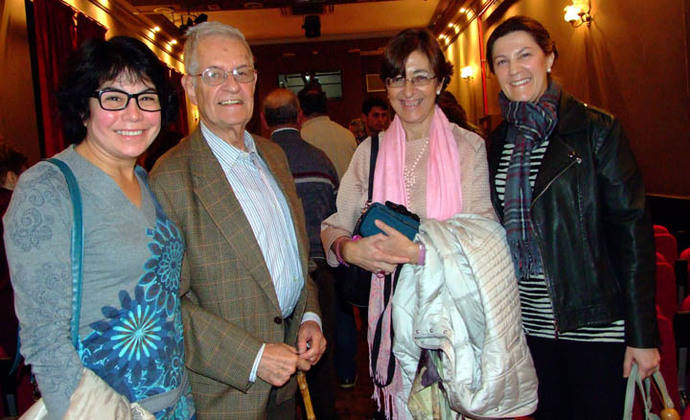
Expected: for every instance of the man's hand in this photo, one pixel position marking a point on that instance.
(278, 363)
(647, 361)
(310, 344)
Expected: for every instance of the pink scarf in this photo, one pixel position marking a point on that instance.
(443, 192)
(443, 200)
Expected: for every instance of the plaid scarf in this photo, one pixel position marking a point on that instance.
(529, 125)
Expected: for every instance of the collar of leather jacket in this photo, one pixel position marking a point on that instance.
(571, 113)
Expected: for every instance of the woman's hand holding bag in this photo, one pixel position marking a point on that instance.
(366, 253)
(667, 413)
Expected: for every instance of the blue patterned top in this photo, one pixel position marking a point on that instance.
(130, 326)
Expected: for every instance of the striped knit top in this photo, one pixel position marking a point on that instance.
(537, 312)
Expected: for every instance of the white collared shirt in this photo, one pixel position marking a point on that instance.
(268, 214)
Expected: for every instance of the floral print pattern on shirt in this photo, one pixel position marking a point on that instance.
(137, 348)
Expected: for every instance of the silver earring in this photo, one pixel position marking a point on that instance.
(438, 92)
(548, 70)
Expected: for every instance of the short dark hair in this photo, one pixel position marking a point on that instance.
(408, 41)
(526, 24)
(453, 110)
(371, 102)
(313, 101)
(98, 61)
(10, 161)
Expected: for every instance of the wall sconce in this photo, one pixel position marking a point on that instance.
(577, 13)
(467, 72)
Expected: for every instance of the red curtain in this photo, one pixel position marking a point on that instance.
(88, 28)
(59, 30)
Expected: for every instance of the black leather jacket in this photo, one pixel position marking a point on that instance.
(588, 210)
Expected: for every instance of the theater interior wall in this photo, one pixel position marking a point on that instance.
(632, 61)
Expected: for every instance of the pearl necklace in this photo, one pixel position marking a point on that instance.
(410, 173)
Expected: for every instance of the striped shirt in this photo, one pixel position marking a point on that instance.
(537, 311)
(268, 214)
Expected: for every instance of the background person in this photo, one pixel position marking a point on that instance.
(316, 182)
(422, 158)
(375, 114)
(569, 193)
(455, 112)
(358, 129)
(114, 98)
(319, 130)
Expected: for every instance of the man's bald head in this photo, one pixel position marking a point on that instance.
(281, 107)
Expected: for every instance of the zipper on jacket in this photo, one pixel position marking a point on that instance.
(574, 159)
(549, 286)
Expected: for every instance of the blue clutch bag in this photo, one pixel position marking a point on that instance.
(394, 215)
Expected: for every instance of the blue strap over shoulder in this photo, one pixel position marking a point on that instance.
(77, 245)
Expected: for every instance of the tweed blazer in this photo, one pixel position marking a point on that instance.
(229, 304)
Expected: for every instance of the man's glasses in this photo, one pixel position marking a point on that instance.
(417, 80)
(117, 100)
(214, 76)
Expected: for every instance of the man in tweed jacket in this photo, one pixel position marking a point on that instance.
(249, 309)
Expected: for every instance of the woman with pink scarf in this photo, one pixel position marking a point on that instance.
(433, 167)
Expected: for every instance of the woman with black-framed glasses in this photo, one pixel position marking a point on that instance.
(435, 168)
(113, 99)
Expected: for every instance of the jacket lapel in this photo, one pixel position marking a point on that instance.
(219, 200)
(559, 154)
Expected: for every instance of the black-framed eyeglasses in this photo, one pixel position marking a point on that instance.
(116, 100)
(417, 80)
(214, 76)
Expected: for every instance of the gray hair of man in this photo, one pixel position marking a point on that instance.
(197, 33)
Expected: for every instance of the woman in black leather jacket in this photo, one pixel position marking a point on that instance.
(566, 187)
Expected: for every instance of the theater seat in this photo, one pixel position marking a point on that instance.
(660, 229)
(666, 295)
(683, 273)
(666, 245)
(685, 255)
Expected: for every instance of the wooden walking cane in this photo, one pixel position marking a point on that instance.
(304, 389)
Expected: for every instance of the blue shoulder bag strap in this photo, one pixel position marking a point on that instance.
(77, 246)
(77, 256)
